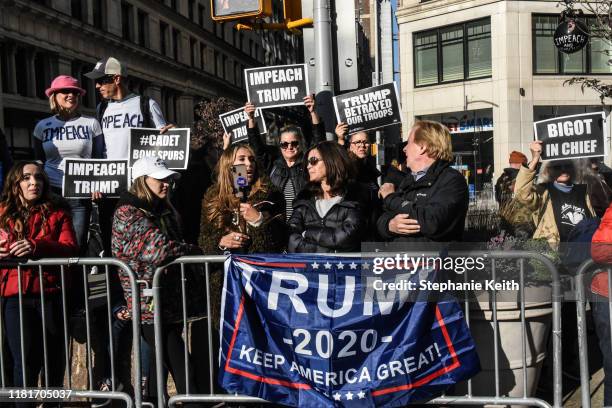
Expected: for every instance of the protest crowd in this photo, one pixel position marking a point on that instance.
(305, 195)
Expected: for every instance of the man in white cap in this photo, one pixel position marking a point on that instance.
(120, 109)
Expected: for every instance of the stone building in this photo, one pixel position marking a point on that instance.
(488, 69)
(173, 50)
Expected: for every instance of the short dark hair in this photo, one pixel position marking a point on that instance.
(339, 168)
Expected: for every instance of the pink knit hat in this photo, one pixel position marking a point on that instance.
(64, 82)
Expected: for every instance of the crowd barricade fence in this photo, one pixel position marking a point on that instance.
(583, 274)
(210, 261)
(69, 269)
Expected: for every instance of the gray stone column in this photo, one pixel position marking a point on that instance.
(184, 116)
(31, 73)
(11, 68)
(64, 66)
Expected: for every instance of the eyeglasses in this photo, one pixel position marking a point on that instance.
(68, 91)
(108, 79)
(285, 145)
(313, 160)
(360, 143)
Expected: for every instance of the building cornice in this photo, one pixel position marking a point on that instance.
(417, 10)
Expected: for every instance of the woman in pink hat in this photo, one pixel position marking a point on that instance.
(67, 133)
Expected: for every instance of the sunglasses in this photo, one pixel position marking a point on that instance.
(68, 92)
(108, 79)
(313, 161)
(285, 145)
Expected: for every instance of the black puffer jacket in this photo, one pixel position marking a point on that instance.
(438, 201)
(339, 231)
(275, 166)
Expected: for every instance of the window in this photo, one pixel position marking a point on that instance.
(479, 49)
(193, 44)
(126, 20)
(76, 9)
(219, 29)
(453, 53)
(99, 12)
(203, 57)
(143, 28)
(175, 44)
(201, 15)
(217, 63)
(592, 59)
(163, 38)
(237, 74)
(223, 73)
(190, 11)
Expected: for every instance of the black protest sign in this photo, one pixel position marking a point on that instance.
(281, 85)
(369, 108)
(85, 176)
(572, 137)
(235, 123)
(171, 146)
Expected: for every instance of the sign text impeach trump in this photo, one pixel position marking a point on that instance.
(572, 137)
(85, 176)
(281, 85)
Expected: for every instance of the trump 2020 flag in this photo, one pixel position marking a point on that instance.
(311, 331)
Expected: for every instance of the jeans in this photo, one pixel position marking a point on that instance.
(601, 317)
(32, 341)
(81, 210)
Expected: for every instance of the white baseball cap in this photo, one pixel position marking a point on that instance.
(107, 66)
(152, 167)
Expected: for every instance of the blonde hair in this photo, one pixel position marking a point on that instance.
(56, 109)
(436, 137)
(223, 199)
(140, 189)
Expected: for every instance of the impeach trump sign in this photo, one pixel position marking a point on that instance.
(85, 176)
(171, 146)
(572, 137)
(235, 123)
(281, 85)
(311, 331)
(369, 108)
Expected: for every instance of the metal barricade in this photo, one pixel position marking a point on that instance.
(467, 399)
(584, 272)
(45, 302)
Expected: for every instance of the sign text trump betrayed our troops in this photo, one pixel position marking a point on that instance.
(572, 137)
(281, 85)
(369, 108)
(85, 176)
(171, 146)
(235, 123)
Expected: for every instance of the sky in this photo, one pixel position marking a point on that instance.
(396, 67)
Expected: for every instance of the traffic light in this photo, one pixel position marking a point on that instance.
(292, 10)
(227, 10)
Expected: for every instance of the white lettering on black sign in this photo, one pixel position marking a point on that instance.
(281, 85)
(171, 146)
(572, 137)
(369, 108)
(235, 123)
(85, 176)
